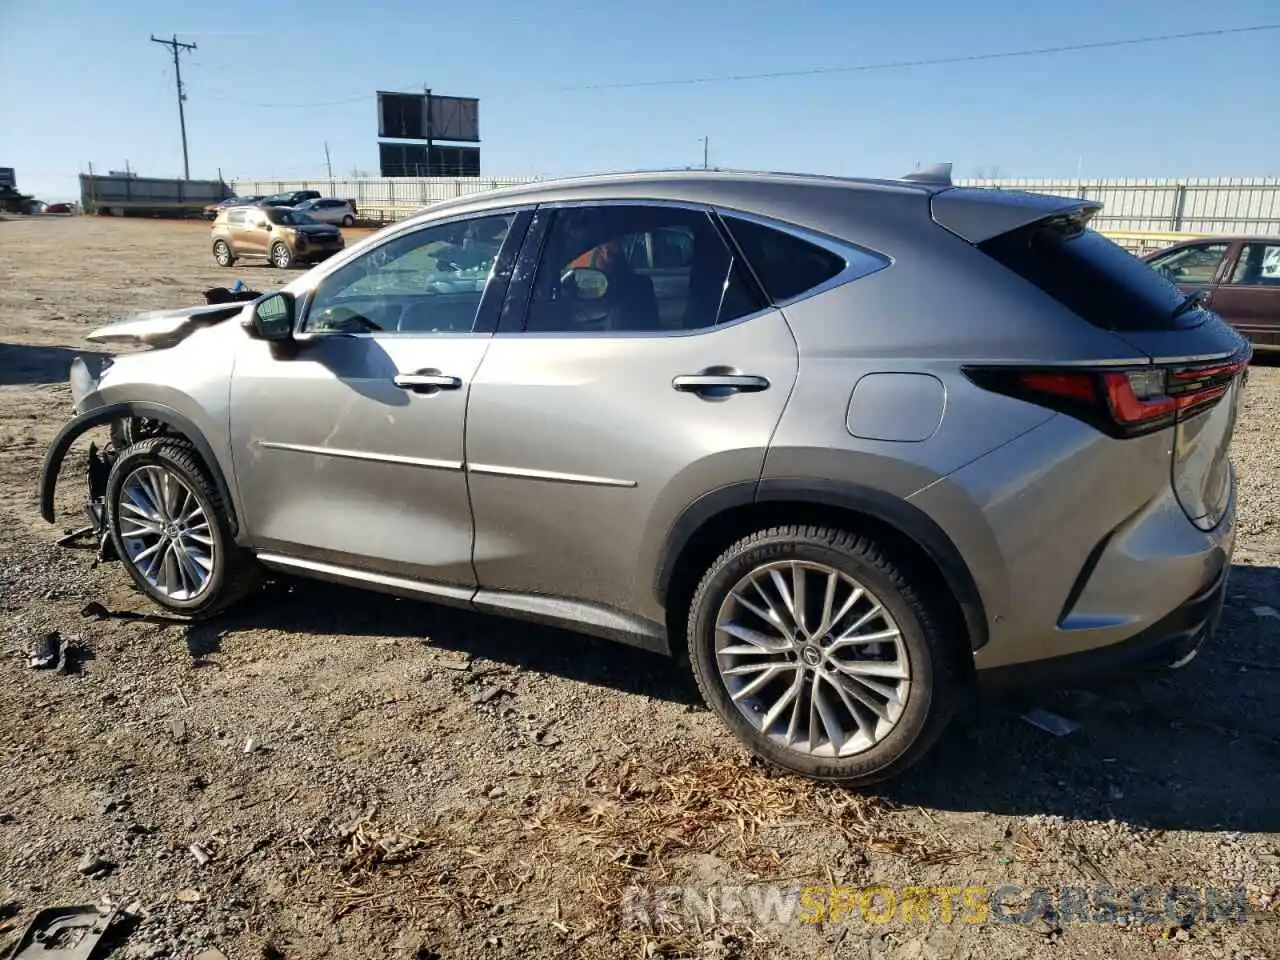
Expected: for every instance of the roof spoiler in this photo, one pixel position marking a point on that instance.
(977, 214)
(934, 174)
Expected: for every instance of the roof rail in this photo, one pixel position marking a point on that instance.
(934, 173)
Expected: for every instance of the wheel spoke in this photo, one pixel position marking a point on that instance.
(800, 599)
(890, 670)
(851, 639)
(774, 616)
(780, 584)
(758, 683)
(866, 729)
(789, 695)
(830, 722)
(854, 690)
(755, 638)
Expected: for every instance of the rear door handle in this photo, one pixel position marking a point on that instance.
(719, 385)
(426, 381)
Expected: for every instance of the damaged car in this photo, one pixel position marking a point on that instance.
(850, 449)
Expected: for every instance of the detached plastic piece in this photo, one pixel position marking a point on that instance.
(63, 933)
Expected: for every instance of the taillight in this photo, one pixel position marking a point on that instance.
(1119, 402)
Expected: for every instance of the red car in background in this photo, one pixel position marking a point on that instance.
(1240, 277)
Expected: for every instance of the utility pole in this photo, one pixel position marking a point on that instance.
(430, 127)
(175, 48)
(706, 146)
(327, 162)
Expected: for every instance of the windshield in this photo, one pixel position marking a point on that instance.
(288, 217)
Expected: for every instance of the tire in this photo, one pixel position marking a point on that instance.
(280, 256)
(231, 572)
(927, 641)
(348, 221)
(222, 254)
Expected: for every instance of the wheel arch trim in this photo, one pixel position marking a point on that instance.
(906, 518)
(99, 416)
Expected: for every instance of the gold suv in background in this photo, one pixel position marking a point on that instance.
(278, 235)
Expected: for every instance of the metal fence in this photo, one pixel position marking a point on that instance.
(1140, 214)
(383, 199)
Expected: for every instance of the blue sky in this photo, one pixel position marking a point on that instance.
(82, 83)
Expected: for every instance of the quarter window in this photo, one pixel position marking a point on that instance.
(634, 269)
(785, 264)
(1258, 266)
(235, 216)
(427, 281)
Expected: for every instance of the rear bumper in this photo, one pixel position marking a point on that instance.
(1171, 641)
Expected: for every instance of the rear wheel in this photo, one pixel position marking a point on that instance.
(170, 529)
(280, 256)
(348, 221)
(222, 253)
(822, 656)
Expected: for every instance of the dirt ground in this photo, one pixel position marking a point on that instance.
(370, 778)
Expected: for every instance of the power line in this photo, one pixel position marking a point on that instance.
(822, 71)
(934, 61)
(176, 48)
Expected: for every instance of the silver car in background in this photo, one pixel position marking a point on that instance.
(852, 448)
(329, 210)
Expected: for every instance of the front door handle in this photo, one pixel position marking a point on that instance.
(717, 386)
(426, 381)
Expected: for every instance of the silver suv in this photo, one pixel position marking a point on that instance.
(852, 447)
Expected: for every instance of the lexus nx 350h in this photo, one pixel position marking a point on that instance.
(850, 448)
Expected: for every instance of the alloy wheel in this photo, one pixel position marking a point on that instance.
(812, 659)
(166, 533)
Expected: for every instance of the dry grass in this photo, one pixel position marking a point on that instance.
(574, 856)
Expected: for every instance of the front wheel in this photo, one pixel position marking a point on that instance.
(170, 529)
(222, 254)
(280, 256)
(822, 656)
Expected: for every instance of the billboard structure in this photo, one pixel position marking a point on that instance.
(426, 118)
(419, 160)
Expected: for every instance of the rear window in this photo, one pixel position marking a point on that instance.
(1094, 277)
(785, 264)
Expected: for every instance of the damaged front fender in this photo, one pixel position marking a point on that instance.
(101, 416)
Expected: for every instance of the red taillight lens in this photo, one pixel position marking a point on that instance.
(1121, 403)
(1076, 386)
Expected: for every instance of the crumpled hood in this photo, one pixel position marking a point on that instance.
(164, 328)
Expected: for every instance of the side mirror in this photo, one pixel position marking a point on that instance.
(587, 283)
(272, 318)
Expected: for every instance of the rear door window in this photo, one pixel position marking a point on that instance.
(1258, 266)
(1091, 275)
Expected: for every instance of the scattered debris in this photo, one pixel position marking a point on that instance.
(199, 852)
(94, 609)
(211, 954)
(63, 933)
(188, 895)
(51, 653)
(495, 793)
(490, 693)
(178, 729)
(1050, 722)
(250, 745)
(1262, 612)
(92, 864)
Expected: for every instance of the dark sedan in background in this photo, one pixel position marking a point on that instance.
(1240, 277)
